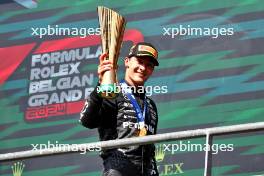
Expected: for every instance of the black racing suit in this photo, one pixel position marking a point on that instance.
(116, 119)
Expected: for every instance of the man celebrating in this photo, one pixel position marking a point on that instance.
(130, 114)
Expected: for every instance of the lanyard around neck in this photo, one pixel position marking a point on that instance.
(128, 92)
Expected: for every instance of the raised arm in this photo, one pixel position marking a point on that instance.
(95, 107)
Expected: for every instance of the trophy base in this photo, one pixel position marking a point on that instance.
(107, 91)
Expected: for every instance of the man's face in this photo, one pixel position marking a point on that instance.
(138, 70)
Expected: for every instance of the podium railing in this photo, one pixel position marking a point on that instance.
(207, 132)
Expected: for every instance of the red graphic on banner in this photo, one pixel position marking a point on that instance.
(53, 110)
(76, 42)
(11, 58)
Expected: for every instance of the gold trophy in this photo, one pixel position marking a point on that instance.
(112, 27)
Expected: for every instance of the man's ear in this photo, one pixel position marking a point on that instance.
(126, 62)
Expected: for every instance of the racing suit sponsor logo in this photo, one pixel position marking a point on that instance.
(137, 126)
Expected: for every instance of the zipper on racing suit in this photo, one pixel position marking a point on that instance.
(142, 161)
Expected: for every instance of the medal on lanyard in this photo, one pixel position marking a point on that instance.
(142, 132)
(140, 115)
